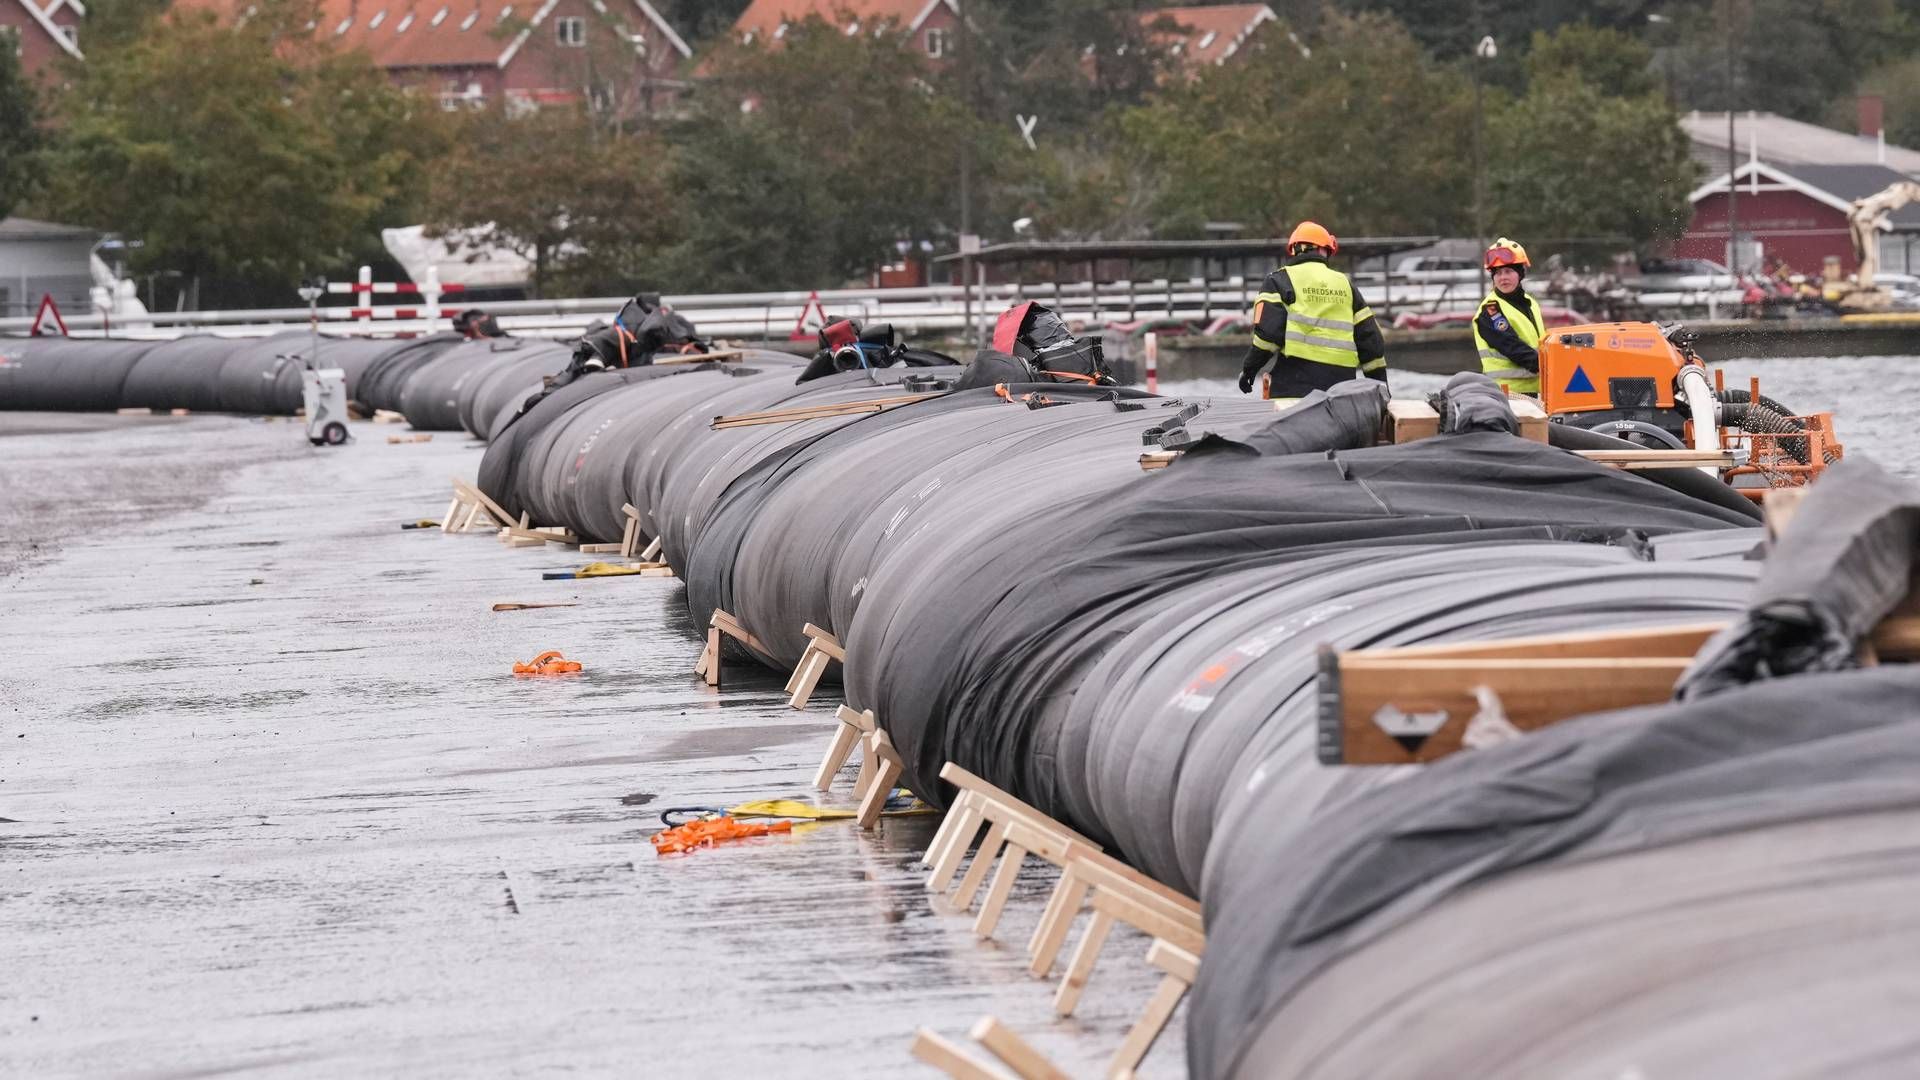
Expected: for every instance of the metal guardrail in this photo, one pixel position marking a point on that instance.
(772, 315)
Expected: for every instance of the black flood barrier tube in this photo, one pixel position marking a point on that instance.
(185, 373)
(431, 396)
(57, 374)
(795, 539)
(1024, 612)
(385, 376)
(1719, 887)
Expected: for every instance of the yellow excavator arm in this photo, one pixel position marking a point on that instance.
(1865, 221)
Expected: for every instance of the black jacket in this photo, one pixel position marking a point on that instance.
(1295, 378)
(1492, 324)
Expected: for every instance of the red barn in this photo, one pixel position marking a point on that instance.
(1799, 213)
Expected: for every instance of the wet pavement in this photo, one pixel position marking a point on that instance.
(273, 803)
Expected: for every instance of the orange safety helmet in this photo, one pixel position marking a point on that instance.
(1505, 252)
(1313, 233)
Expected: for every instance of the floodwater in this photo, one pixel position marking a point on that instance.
(1873, 399)
(271, 802)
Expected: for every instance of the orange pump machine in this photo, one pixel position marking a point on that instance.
(1645, 384)
(1619, 379)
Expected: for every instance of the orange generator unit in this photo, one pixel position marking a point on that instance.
(1646, 384)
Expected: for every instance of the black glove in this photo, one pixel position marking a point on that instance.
(1246, 381)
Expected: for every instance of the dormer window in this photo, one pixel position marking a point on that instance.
(571, 31)
(853, 27)
(342, 28)
(378, 18)
(405, 22)
(780, 32)
(506, 13)
(937, 44)
(472, 17)
(438, 17)
(1207, 39)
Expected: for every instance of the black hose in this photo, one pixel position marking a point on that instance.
(1768, 420)
(1686, 481)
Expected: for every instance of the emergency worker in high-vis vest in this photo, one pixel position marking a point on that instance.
(1508, 327)
(1311, 321)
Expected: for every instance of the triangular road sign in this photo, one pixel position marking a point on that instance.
(812, 318)
(47, 321)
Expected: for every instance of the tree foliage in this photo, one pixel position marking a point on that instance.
(252, 150)
(584, 203)
(20, 134)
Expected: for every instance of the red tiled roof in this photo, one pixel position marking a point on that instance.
(445, 33)
(1211, 33)
(763, 17)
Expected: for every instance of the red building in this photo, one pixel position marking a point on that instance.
(1799, 213)
(41, 31)
(619, 54)
(1795, 184)
(929, 23)
(1212, 34)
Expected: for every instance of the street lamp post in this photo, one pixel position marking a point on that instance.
(1485, 50)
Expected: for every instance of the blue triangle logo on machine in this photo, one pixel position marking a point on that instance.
(1579, 384)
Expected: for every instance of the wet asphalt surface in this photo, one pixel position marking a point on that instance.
(273, 804)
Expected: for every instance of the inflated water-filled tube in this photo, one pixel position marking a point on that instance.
(794, 541)
(386, 375)
(183, 373)
(66, 374)
(1020, 607)
(431, 397)
(516, 379)
(1716, 888)
(261, 376)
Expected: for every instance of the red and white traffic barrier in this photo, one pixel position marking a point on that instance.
(429, 292)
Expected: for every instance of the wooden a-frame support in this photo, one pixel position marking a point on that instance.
(822, 649)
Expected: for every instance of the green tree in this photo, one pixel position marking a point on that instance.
(1604, 58)
(587, 205)
(1792, 57)
(871, 147)
(20, 134)
(1362, 134)
(1898, 83)
(250, 152)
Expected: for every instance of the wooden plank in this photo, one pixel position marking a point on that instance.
(1408, 421)
(1659, 459)
(1011, 856)
(961, 778)
(961, 898)
(1681, 640)
(1146, 1030)
(950, 1059)
(1043, 948)
(887, 769)
(1154, 460)
(1013, 1051)
(1080, 968)
(1358, 694)
(1532, 418)
(1173, 960)
(717, 356)
(602, 549)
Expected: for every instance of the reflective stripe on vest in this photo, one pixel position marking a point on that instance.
(1493, 362)
(1320, 319)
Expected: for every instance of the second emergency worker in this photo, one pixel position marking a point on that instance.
(1508, 326)
(1311, 321)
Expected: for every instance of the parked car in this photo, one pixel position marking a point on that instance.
(1680, 275)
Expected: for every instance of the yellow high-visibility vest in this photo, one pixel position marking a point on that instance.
(1493, 362)
(1320, 320)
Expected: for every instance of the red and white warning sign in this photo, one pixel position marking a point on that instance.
(812, 318)
(47, 321)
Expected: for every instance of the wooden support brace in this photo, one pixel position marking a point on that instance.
(1181, 968)
(1532, 418)
(815, 412)
(822, 648)
(957, 833)
(1011, 856)
(1080, 968)
(630, 533)
(652, 551)
(1013, 1051)
(1174, 915)
(1407, 421)
(949, 1058)
(714, 357)
(961, 898)
(710, 658)
(853, 727)
(886, 769)
(602, 549)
